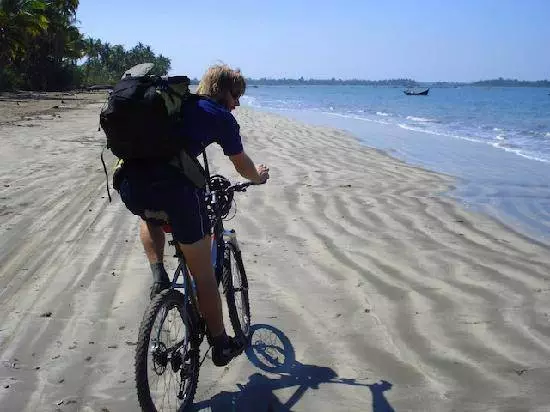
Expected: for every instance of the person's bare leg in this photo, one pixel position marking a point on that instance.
(197, 257)
(152, 238)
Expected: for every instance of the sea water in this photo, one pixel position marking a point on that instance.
(494, 141)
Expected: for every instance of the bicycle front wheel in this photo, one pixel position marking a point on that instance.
(167, 355)
(236, 291)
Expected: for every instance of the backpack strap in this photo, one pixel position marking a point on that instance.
(206, 169)
(106, 174)
(190, 167)
(200, 176)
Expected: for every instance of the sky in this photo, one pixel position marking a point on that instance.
(425, 40)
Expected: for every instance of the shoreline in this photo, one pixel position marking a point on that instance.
(450, 183)
(473, 166)
(386, 292)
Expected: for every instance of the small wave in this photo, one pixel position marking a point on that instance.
(420, 119)
(249, 101)
(547, 134)
(417, 129)
(506, 145)
(382, 114)
(496, 129)
(355, 117)
(519, 152)
(499, 137)
(497, 145)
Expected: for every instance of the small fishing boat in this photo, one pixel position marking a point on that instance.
(417, 93)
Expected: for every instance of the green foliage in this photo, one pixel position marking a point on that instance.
(500, 82)
(333, 82)
(41, 48)
(105, 64)
(39, 44)
(20, 22)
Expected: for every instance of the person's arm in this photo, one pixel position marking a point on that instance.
(246, 168)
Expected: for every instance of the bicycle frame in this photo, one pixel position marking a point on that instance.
(220, 238)
(183, 279)
(183, 355)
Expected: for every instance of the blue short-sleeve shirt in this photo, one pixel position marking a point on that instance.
(160, 193)
(208, 122)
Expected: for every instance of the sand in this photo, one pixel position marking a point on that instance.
(382, 293)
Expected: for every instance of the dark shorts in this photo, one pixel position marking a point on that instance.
(162, 195)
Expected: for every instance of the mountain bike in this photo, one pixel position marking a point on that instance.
(172, 329)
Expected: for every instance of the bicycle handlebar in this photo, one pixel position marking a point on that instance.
(221, 195)
(241, 187)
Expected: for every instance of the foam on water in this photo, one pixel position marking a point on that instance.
(436, 133)
(520, 152)
(497, 142)
(421, 119)
(249, 101)
(471, 114)
(356, 117)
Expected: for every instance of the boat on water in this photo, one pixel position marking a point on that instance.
(417, 93)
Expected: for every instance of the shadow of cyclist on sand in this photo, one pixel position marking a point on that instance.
(271, 351)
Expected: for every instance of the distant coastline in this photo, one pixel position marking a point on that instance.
(500, 82)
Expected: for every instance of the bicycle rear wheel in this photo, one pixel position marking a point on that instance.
(236, 291)
(167, 355)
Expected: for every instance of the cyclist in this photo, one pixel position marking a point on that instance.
(160, 193)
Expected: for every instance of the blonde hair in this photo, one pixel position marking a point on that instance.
(221, 79)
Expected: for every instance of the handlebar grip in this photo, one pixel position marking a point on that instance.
(242, 186)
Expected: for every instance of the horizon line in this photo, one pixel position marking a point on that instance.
(391, 80)
(394, 79)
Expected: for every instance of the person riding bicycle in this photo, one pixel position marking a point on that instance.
(160, 193)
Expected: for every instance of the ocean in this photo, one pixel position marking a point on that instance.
(495, 141)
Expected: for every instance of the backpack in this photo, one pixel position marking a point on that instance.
(142, 116)
(142, 119)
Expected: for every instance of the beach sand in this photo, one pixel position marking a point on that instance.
(381, 293)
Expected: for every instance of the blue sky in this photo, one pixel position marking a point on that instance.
(427, 40)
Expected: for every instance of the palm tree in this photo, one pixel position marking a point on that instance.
(20, 21)
(50, 61)
(92, 47)
(91, 67)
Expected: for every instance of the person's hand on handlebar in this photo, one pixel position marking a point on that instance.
(263, 174)
(246, 168)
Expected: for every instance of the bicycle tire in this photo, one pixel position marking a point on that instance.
(170, 299)
(241, 324)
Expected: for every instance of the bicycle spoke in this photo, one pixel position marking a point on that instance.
(168, 392)
(238, 290)
(167, 351)
(237, 294)
(169, 335)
